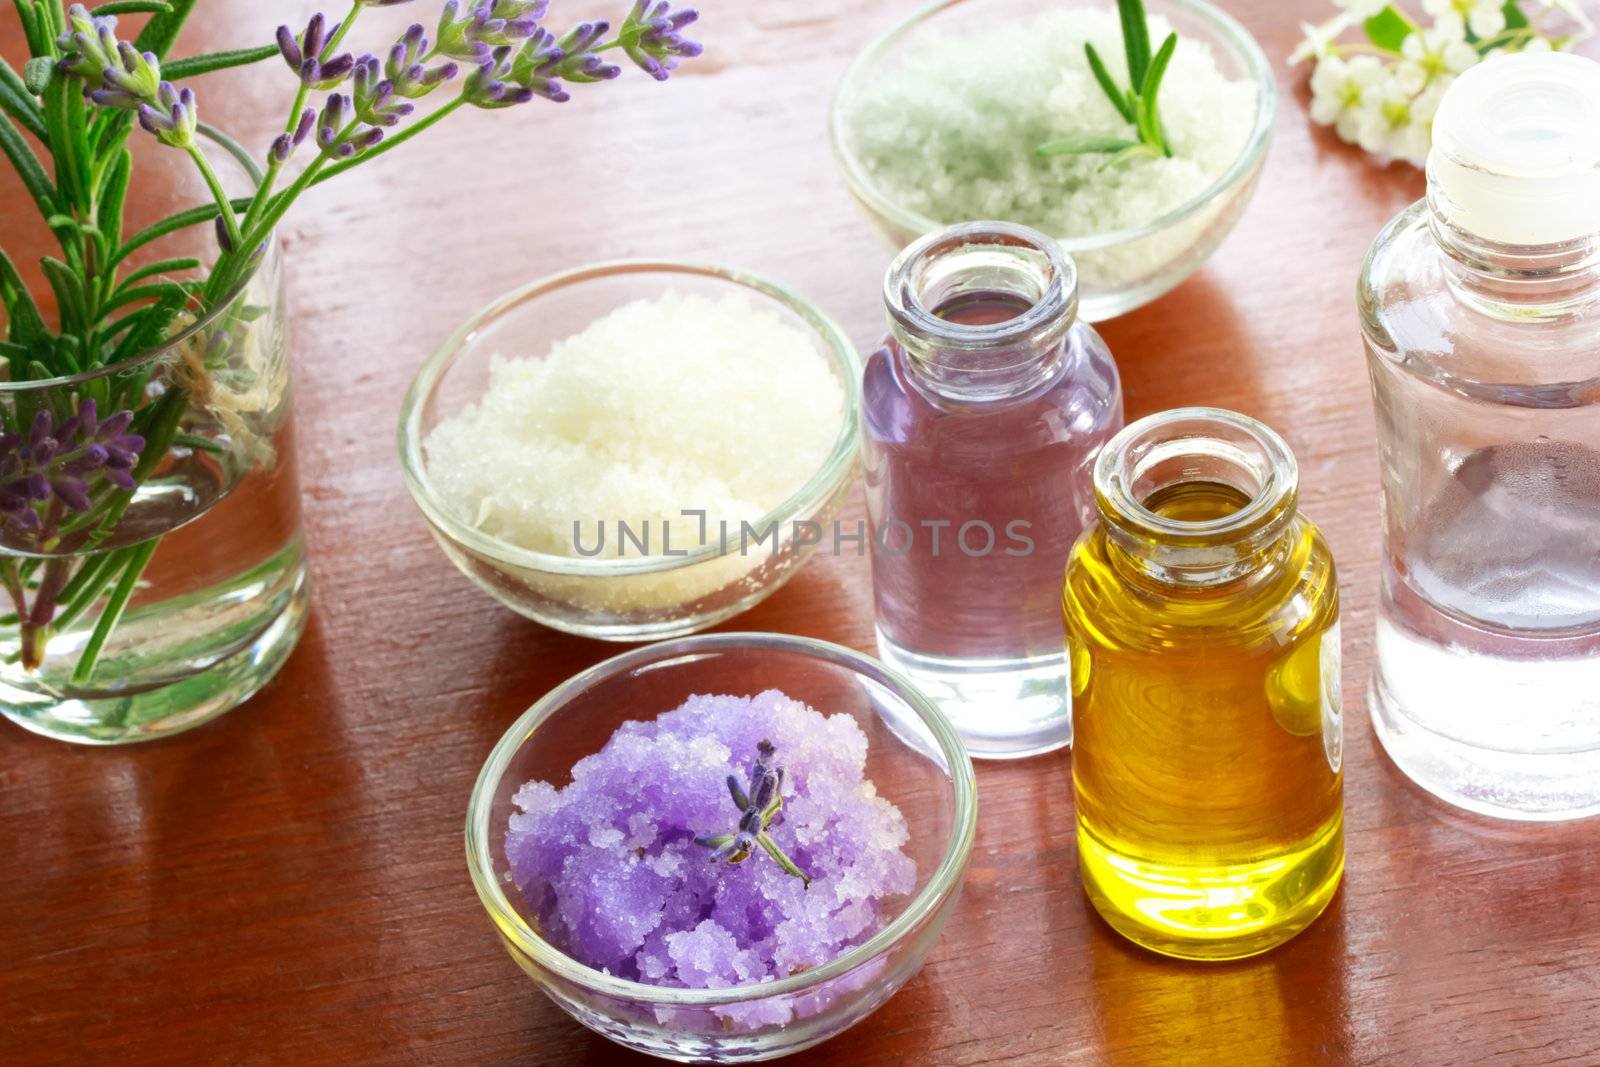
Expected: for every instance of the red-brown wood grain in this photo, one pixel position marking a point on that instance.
(287, 884)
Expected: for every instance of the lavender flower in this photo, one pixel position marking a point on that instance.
(305, 54)
(174, 121)
(759, 807)
(284, 144)
(405, 70)
(651, 39)
(339, 133)
(52, 465)
(578, 63)
(90, 46)
(374, 99)
(536, 66)
(490, 85)
(459, 34)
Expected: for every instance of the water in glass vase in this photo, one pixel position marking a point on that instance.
(981, 419)
(146, 616)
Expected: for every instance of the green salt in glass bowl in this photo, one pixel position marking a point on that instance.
(914, 759)
(1118, 270)
(638, 598)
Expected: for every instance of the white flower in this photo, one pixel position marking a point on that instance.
(1537, 44)
(1398, 123)
(1340, 89)
(1427, 56)
(1484, 17)
(1318, 40)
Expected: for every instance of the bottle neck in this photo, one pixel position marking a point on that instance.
(982, 310)
(1196, 497)
(1515, 282)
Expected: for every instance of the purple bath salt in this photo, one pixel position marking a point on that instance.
(614, 874)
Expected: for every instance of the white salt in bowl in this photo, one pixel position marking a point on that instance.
(913, 758)
(1120, 269)
(638, 597)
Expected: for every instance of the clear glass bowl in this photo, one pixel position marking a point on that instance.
(913, 757)
(636, 598)
(1122, 269)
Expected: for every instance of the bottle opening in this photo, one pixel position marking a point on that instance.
(981, 286)
(1195, 492)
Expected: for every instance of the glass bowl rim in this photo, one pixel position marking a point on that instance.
(238, 153)
(945, 879)
(838, 465)
(1229, 30)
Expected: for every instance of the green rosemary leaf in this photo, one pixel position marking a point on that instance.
(1389, 28)
(27, 326)
(132, 7)
(190, 66)
(1085, 144)
(68, 287)
(112, 194)
(155, 291)
(165, 266)
(137, 558)
(1103, 76)
(161, 32)
(1150, 114)
(28, 168)
(171, 224)
(39, 44)
(1135, 38)
(195, 441)
(36, 74)
(17, 101)
(1133, 151)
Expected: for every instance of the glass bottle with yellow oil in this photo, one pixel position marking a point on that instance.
(1202, 618)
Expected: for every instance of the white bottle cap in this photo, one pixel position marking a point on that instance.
(1516, 149)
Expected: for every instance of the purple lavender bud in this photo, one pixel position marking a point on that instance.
(290, 48)
(73, 492)
(459, 34)
(114, 426)
(115, 98)
(224, 239)
(282, 145)
(332, 122)
(38, 487)
(43, 423)
(312, 40)
(120, 478)
(365, 139)
(650, 37)
(88, 414)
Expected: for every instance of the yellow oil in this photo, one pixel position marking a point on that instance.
(1206, 755)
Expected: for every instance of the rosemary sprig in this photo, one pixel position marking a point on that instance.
(1136, 104)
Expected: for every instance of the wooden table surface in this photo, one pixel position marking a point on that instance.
(287, 884)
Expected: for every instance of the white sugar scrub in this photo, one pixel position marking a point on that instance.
(950, 129)
(679, 402)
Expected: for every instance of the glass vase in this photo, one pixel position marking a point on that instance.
(160, 607)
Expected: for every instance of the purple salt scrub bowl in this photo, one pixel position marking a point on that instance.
(913, 758)
(640, 598)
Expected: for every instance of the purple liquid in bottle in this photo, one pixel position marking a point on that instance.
(981, 420)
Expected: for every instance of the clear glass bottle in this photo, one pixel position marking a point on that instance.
(1480, 308)
(1202, 618)
(982, 415)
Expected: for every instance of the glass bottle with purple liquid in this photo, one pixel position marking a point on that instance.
(982, 416)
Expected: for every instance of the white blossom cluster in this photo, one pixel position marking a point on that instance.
(1381, 90)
